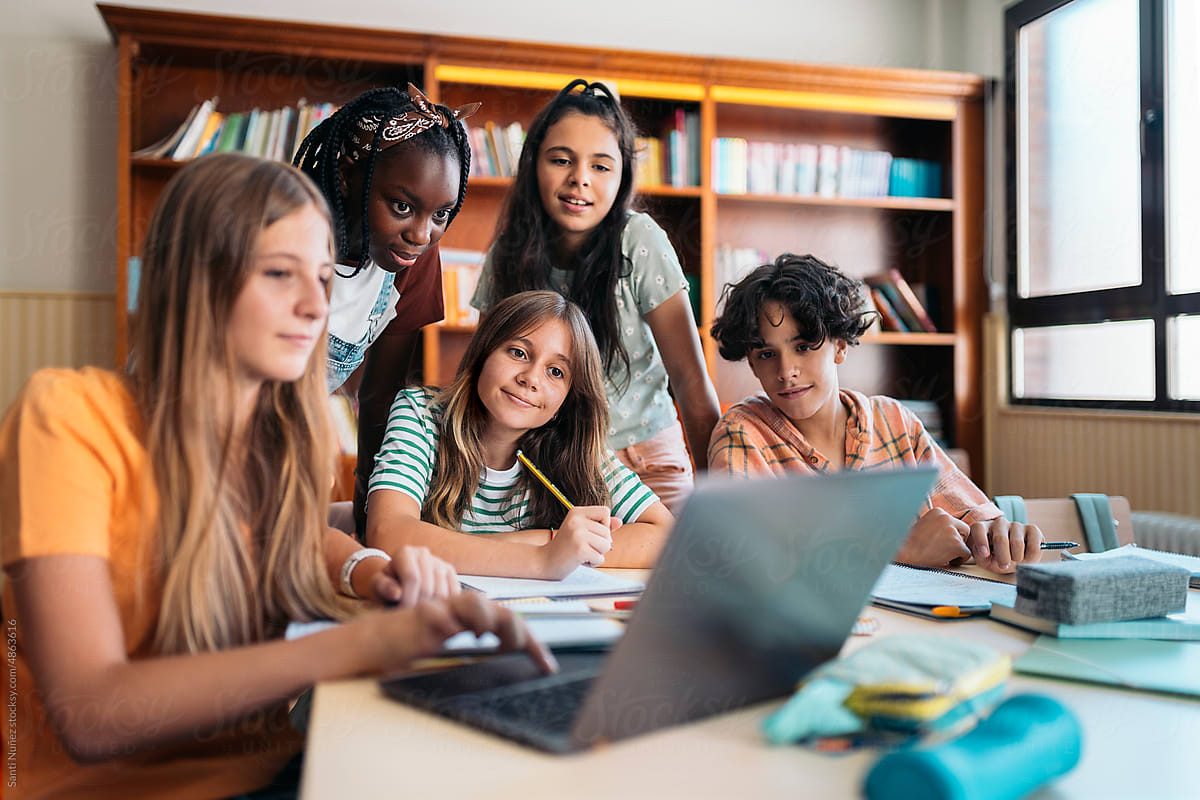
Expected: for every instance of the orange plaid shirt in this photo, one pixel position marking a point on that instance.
(754, 438)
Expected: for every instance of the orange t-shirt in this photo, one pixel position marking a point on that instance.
(73, 480)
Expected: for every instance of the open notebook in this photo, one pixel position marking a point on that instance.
(547, 620)
(920, 590)
(583, 582)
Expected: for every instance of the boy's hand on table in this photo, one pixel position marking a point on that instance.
(999, 545)
(937, 539)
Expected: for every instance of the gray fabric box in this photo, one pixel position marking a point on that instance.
(1101, 590)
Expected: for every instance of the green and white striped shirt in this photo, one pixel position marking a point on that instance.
(406, 458)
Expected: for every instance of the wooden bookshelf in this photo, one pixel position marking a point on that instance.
(168, 62)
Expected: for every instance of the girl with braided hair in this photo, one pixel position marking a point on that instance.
(394, 167)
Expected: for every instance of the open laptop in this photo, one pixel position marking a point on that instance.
(759, 582)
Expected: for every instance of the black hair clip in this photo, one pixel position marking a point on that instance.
(594, 89)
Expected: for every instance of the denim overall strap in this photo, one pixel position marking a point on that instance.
(344, 357)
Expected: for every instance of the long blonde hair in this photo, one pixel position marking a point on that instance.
(571, 446)
(240, 545)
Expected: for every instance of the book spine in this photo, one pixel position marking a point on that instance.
(692, 126)
(212, 129)
(910, 301)
(889, 291)
(827, 171)
(191, 137)
(891, 320)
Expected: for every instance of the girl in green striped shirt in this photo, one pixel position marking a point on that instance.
(531, 379)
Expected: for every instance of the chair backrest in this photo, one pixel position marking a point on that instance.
(1058, 517)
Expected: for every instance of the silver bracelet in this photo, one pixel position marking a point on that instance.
(352, 562)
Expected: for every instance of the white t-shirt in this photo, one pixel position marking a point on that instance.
(352, 300)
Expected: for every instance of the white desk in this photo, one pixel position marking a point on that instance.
(362, 744)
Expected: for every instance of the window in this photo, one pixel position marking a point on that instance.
(1103, 104)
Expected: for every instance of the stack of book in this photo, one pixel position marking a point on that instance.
(674, 158)
(730, 157)
(495, 148)
(681, 149)
(460, 275)
(826, 170)
(900, 308)
(649, 170)
(274, 134)
(911, 177)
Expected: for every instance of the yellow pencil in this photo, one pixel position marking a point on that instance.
(537, 473)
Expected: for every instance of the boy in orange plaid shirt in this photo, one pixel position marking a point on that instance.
(795, 320)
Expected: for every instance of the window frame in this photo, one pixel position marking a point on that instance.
(1148, 300)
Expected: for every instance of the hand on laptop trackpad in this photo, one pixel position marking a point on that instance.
(494, 673)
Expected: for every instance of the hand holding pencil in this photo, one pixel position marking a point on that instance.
(584, 537)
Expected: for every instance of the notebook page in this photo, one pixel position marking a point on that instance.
(940, 588)
(583, 582)
(552, 632)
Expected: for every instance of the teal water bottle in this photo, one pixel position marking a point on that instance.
(1027, 741)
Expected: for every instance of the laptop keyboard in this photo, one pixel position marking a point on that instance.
(551, 709)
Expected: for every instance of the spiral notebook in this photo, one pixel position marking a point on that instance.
(919, 590)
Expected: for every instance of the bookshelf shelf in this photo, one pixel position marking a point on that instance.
(895, 203)
(168, 61)
(489, 182)
(157, 163)
(892, 337)
(671, 191)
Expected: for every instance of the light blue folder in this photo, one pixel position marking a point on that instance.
(1152, 665)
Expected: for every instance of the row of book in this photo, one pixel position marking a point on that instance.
(731, 264)
(676, 154)
(460, 276)
(269, 133)
(899, 305)
(495, 148)
(809, 170)
(670, 160)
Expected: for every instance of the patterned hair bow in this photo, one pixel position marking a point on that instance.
(393, 130)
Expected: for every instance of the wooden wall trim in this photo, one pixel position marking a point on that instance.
(188, 30)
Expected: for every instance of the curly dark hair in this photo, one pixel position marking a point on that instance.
(825, 304)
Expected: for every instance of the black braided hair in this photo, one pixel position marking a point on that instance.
(317, 157)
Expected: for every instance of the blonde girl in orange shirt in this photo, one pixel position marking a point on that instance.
(159, 529)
